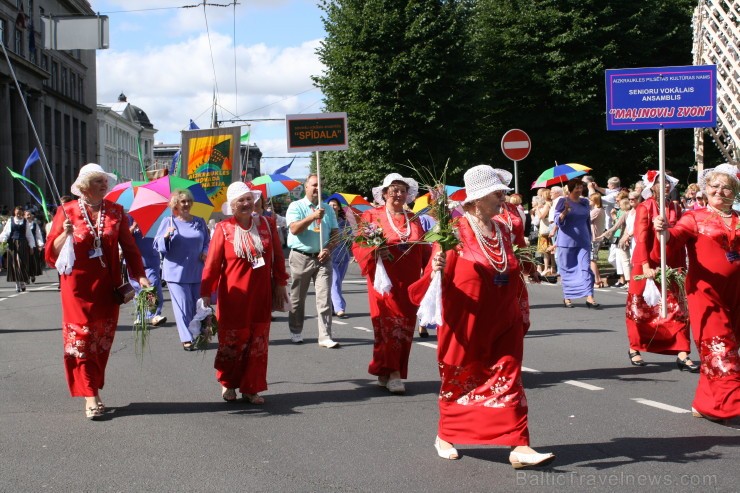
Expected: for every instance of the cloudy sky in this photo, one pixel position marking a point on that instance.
(260, 57)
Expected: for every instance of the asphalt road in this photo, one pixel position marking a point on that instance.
(326, 426)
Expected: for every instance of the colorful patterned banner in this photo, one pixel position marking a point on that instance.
(209, 157)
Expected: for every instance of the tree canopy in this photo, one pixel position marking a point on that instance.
(426, 81)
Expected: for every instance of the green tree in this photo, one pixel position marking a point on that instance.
(399, 69)
(540, 67)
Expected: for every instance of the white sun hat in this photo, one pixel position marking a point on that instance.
(91, 169)
(648, 179)
(725, 168)
(483, 179)
(410, 182)
(236, 190)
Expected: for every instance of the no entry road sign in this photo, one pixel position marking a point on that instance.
(515, 144)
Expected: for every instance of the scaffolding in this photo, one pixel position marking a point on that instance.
(716, 37)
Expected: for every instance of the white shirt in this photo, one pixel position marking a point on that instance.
(6, 231)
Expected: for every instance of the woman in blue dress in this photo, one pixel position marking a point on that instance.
(183, 241)
(573, 245)
(340, 258)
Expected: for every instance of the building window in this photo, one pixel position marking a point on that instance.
(58, 128)
(55, 76)
(81, 90)
(19, 42)
(65, 82)
(2, 31)
(45, 62)
(73, 85)
(83, 141)
(75, 135)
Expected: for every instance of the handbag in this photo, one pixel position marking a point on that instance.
(124, 293)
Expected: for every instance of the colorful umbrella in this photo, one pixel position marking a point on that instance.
(123, 193)
(453, 193)
(560, 174)
(151, 202)
(272, 185)
(357, 203)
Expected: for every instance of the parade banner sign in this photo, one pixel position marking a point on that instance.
(208, 157)
(317, 132)
(661, 97)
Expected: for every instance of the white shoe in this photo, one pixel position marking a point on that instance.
(329, 343)
(157, 320)
(296, 338)
(382, 381)
(446, 453)
(521, 461)
(396, 386)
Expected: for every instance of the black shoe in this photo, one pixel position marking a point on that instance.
(593, 305)
(568, 303)
(639, 362)
(423, 333)
(684, 365)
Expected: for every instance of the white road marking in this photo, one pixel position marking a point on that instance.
(354, 282)
(530, 370)
(427, 344)
(660, 405)
(363, 328)
(338, 322)
(586, 386)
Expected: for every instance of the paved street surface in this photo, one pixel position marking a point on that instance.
(326, 426)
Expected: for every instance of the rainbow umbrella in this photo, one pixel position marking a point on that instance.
(272, 185)
(453, 193)
(151, 202)
(356, 203)
(123, 193)
(560, 174)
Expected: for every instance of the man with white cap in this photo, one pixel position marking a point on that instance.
(310, 259)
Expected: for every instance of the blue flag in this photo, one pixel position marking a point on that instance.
(285, 168)
(193, 126)
(32, 159)
(175, 160)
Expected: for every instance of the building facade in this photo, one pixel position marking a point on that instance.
(59, 88)
(124, 131)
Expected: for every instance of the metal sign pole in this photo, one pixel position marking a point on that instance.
(662, 204)
(516, 178)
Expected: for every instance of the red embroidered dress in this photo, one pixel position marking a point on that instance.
(510, 216)
(713, 292)
(645, 330)
(244, 305)
(393, 315)
(89, 308)
(479, 347)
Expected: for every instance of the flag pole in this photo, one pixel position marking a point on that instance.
(661, 172)
(45, 163)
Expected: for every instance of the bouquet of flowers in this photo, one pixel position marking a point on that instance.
(673, 278)
(371, 235)
(144, 303)
(444, 233)
(208, 329)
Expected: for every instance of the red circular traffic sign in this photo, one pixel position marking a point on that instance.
(515, 144)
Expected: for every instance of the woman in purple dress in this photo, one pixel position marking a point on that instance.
(573, 246)
(183, 241)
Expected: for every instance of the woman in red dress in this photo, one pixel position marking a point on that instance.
(712, 238)
(645, 329)
(392, 314)
(89, 306)
(246, 266)
(480, 342)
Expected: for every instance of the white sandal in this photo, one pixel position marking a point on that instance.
(520, 460)
(445, 453)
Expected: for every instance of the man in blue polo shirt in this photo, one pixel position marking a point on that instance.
(310, 259)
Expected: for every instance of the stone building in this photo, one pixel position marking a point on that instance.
(59, 88)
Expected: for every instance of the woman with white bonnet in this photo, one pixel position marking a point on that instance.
(711, 237)
(480, 342)
(393, 315)
(89, 306)
(646, 330)
(246, 267)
